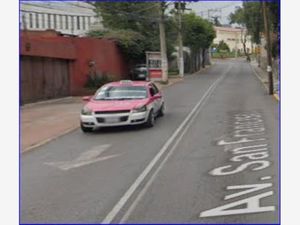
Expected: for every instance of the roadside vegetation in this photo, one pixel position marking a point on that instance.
(134, 26)
(250, 17)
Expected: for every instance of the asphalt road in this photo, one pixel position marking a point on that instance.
(213, 158)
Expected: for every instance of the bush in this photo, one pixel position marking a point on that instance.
(173, 72)
(223, 55)
(222, 46)
(131, 43)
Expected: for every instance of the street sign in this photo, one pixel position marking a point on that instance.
(154, 65)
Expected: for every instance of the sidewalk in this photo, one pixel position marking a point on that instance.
(44, 121)
(262, 75)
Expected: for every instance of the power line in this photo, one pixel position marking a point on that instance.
(219, 8)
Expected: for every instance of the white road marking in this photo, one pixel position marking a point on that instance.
(85, 158)
(250, 188)
(251, 156)
(247, 149)
(242, 140)
(252, 206)
(116, 209)
(265, 178)
(224, 170)
(241, 153)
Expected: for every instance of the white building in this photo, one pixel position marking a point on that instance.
(70, 18)
(232, 37)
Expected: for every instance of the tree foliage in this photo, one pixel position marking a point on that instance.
(134, 26)
(131, 43)
(197, 32)
(222, 46)
(250, 16)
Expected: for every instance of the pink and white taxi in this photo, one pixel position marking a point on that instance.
(122, 103)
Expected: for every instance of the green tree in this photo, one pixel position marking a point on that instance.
(222, 46)
(239, 17)
(131, 43)
(273, 10)
(250, 17)
(198, 34)
(134, 26)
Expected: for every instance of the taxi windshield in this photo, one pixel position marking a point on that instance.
(121, 93)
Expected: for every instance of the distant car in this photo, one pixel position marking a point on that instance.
(122, 103)
(139, 72)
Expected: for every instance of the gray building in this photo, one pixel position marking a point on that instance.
(69, 18)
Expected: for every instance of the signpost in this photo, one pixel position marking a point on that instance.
(154, 68)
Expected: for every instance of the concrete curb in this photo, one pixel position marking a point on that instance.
(261, 80)
(162, 86)
(32, 147)
(206, 68)
(180, 79)
(29, 105)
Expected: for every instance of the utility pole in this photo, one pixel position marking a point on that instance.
(163, 49)
(180, 47)
(269, 47)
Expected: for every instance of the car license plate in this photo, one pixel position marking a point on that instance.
(112, 120)
(141, 75)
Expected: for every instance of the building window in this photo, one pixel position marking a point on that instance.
(78, 22)
(22, 19)
(89, 22)
(55, 21)
(49, 21)
(67, 22)
(83, 22)
(60, 22)
(72, 23)
(43, 20)
(30, 21)
(25, 20)
(37, 22)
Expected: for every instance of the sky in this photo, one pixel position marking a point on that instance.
(223, 9)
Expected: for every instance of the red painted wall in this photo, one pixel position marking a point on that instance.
(106, 55)
(81, 52)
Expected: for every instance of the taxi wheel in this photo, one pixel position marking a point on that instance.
(150, 120)
(161, 110)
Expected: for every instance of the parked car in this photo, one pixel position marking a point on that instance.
(122, 103)
(139, 72)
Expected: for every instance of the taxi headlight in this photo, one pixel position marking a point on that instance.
(86, 111)
(140, 109)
